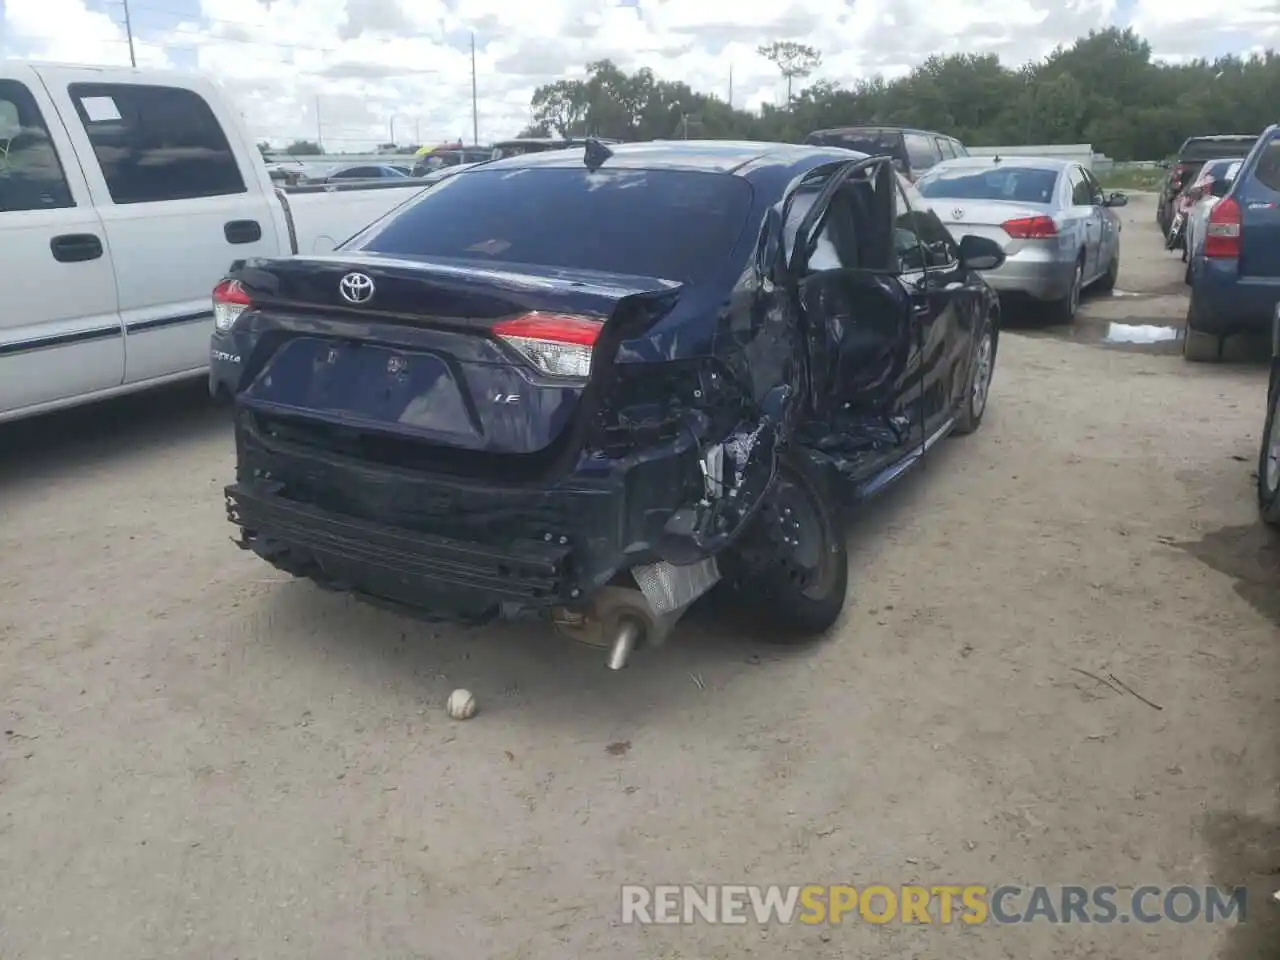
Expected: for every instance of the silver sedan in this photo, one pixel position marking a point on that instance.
(1056, 226)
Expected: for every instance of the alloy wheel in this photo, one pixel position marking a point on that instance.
(1273, 447)
(982, 374)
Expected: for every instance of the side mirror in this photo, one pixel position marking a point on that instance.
(980, 253)
(1117, 199)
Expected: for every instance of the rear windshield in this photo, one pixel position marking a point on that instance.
(672, 224)
(871, 142)
(1211, 149)
(1022, 184)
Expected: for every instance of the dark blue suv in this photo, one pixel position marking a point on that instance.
(1235, 279)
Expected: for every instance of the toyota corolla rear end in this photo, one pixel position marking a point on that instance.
(451, 413)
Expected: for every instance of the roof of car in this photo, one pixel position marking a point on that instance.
(880, 128)
(712, 156)
(1035, 163)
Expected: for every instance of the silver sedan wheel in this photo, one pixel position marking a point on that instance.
(1073, 298)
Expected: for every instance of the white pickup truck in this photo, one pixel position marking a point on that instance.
(124, 196)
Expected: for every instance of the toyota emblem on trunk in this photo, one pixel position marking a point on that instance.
(397, 366)
(355, 288)
(957, 213)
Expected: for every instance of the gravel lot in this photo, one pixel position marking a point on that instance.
(202, 759)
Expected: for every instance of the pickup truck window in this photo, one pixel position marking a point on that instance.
(31, 176)
(156, 143)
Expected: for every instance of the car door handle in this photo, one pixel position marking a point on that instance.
(75, 247)
(242, 231)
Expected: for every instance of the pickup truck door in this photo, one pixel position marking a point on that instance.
(60, 331)
(181, 195)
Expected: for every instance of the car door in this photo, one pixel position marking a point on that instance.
(180, 200)
(1108, 223)
(60, 331)
(1257, 192)
(944, 305)
(861, 354)
(1085, 220)
(922, 153)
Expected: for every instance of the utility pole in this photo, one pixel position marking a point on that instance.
(319, 135)
(128, 30)
(731, 85)
(475, 112)
(392, 130)
(417, 132)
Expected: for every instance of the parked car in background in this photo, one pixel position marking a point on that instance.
(478, 409)
(363, 171)
(449, 157)
(1235, 278)
(1209, 187)
(522, 145)
(1268, 482)
(914, 151)
(124, 194)
(1192, 155)
(1056, 226)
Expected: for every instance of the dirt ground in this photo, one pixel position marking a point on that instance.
(203, 759)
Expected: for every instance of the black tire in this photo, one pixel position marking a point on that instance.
(1110, 278)
(1269, 466)
(984, 366)
(777, 593)
(1064, 310)
(1197, 345)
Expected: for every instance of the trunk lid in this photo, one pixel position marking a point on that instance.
(412, 349)
(984, 218)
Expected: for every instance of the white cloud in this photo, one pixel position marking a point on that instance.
(372, 64)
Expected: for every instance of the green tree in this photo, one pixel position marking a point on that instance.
(793, 60)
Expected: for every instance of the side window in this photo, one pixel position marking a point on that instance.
(961, 149)
(156, 143)
(1095, 189)
(1267, 170)
(31, 176)
(854, 228)
(945, 145)
(922, 151)
(935, 247)
(1080, 195)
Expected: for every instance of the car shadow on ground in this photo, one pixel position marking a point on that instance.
(97, 436)
(531, 669)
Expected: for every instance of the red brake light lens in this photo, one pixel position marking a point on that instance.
(557, 344)
(229, 301)
(1030, 228)
(1222, 234)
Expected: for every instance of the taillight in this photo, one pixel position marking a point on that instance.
(1222, 235)
(229, 301)
(1030, 228)
(558, 344)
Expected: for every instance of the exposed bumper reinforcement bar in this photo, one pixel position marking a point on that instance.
(396, 564)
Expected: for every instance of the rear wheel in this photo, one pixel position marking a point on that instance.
(1269, 460)
(1064, 310)
(797, 567)
(1199, 346)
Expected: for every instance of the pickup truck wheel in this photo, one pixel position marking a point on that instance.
(1269, 457)
(799, 589)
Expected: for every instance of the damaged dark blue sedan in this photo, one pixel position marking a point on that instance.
(592, 384)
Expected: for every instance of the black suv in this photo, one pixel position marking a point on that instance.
(914, 150)
(1192, 155)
